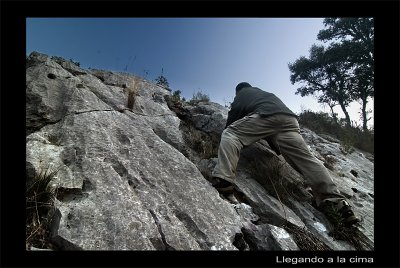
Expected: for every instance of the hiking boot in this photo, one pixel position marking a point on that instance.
(224, 187)
(229, 191)
(342, 209)
(231, 198)
(347, 213)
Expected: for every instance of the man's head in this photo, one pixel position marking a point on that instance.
(242, 85)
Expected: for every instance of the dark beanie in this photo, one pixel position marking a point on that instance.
(242, 85)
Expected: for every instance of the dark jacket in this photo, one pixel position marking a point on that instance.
(251, 100)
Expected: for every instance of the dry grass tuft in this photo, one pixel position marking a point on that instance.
(346, 233)
(270, 175)
(206, 146)
(305, 240)
(39, 208)
(133, 91)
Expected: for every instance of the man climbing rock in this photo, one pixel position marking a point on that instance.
(256, 114)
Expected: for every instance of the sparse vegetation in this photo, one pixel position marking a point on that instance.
(350, 136)
(305, 240)
(330, 162)
(270, 175)
(205, 145)
(346, 146)
(77, 63)
(176, 96)
(162, 80)
(39, 208)
(199, 96)
(132, 94)
(342, 232)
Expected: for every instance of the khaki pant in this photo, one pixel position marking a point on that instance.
(286, 133)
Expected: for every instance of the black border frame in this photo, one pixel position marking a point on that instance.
(13, 32)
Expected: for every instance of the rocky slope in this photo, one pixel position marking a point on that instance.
(138, 177)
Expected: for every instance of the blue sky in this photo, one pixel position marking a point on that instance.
(211, 55)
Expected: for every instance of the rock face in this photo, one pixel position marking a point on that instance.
(138, 178)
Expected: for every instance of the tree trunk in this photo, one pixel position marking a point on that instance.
(346, 114)
(364, 114)
(333, 113)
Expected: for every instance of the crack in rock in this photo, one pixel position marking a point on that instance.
(164, 241)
